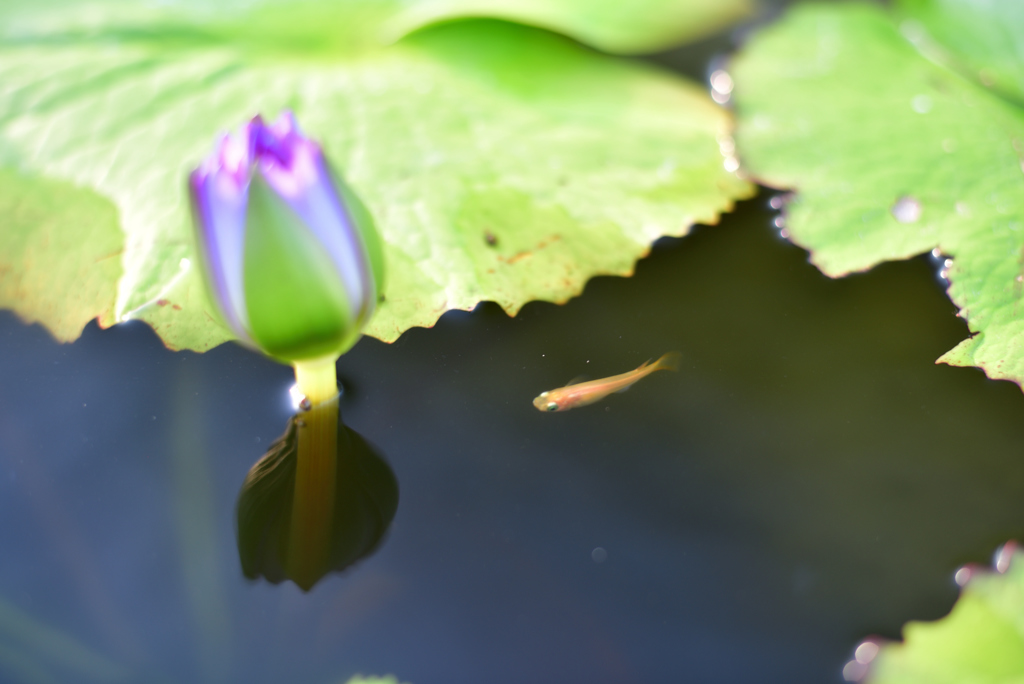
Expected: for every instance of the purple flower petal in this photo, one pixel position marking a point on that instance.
(295, 169)
(220, 193)
(300, 175)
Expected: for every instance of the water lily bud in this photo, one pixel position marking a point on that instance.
(290, 256)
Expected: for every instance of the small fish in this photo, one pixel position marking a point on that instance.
(581, 394)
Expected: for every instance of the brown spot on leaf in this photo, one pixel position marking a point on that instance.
(529, 252)
(111, 255)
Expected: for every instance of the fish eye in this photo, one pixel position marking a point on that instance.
(552, 406)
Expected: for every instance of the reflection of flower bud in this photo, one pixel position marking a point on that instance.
(362, 505)
(290, 255)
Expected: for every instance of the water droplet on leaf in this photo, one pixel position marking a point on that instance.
(906, 209)
(866, 652)
(962, 576)
(721, 81)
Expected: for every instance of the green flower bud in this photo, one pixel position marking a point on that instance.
(290, 255)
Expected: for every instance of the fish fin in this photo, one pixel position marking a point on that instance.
(669, 361)
(577, 380)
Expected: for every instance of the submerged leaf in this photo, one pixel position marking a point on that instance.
(894, 153)
(501, 162)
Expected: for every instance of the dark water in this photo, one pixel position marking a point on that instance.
(809, 477)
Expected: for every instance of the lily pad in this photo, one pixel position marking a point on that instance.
(611, 25)
(980, 641)
(984, 41)
(635, 27)
(501, 162)
(60, 253)
(894, 151)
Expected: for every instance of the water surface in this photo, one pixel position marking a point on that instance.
(809, 477)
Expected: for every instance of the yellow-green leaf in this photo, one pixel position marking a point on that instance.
(893, 151)
(501, 162)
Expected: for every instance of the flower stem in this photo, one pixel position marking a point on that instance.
(309, 539)
(317, 379)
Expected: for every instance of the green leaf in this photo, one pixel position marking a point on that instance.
(981, 641)
(611, 25)
(892, 154)
(984, 41)
(501, 162)
(60, 251)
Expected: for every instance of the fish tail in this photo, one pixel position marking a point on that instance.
(669, 361)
